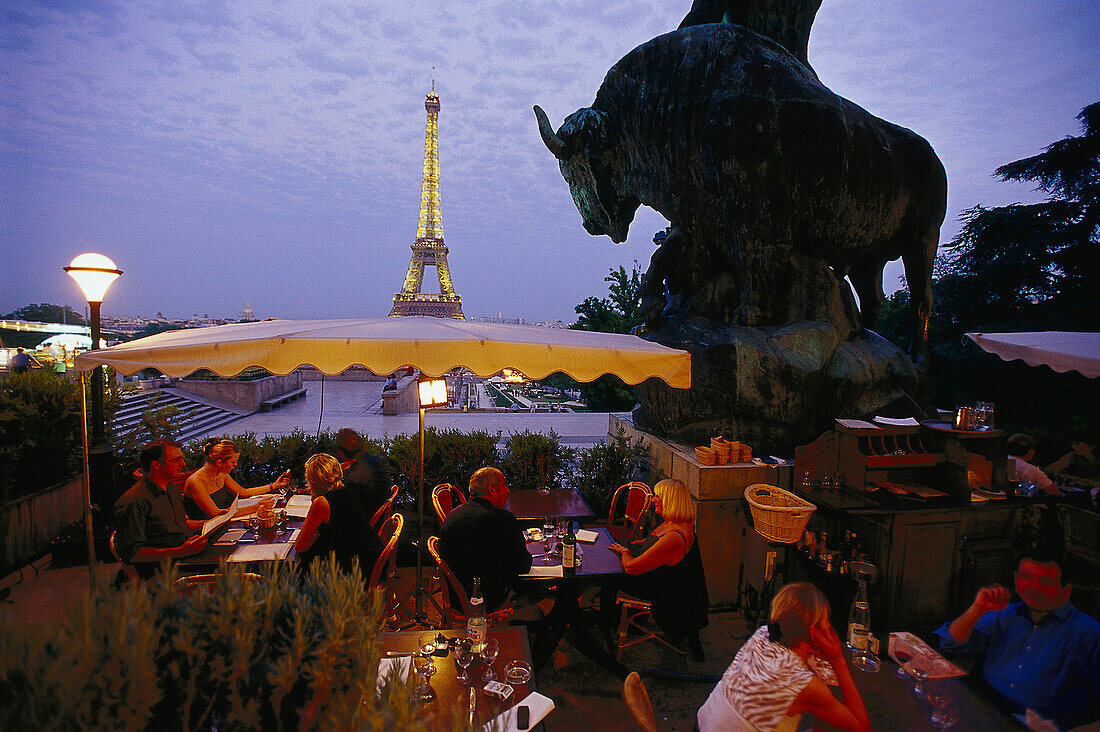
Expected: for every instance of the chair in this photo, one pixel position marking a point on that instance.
(632, 616)
(637, 701)
(384, 510)
(633, 499)
(445, 497)
(131, 572)
(187, 586)
(452, 614)
(390, 533)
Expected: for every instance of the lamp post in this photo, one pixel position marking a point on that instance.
(433, 393)
(94, 273)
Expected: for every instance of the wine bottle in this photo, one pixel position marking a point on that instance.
(476, 626)
(569, 549)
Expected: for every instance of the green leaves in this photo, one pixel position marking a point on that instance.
(40, 434)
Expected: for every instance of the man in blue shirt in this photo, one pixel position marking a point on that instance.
(1042, 653)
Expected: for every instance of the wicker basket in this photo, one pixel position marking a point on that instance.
(705, 455)
(777, 514)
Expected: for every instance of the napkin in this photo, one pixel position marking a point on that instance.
(553, 570)
(402, 664)
(903, 422)
(586, 535)
(539, 705)
(259, 552)
(231, 537)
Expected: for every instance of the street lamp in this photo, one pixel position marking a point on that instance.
(433, 393)
(94, 273)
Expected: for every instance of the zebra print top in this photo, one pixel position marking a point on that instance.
(759, 686)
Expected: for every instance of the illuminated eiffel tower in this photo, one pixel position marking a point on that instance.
(429, 249)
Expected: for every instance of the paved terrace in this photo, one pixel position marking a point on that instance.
(358, 405)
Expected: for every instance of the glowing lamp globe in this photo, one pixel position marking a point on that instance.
(94, 273)
(433, 392)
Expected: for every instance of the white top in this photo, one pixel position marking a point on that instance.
(757, 689)
(1025, 471)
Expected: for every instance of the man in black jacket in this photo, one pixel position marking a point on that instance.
(483, 539)
(365, 475)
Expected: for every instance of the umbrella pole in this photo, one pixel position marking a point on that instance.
(87, 477)
(420, 526)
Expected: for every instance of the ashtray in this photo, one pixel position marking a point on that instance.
(518, 672)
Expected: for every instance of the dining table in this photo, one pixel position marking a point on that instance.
(218, 549)
(534, 505)
(453, 699)
(891, 703)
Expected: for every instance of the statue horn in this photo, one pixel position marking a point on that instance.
(554, 143)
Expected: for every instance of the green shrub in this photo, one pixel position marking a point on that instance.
(532, 460)
(156, 421)
(605, 466)
(450, 456)
(40, 435)
(274, 654)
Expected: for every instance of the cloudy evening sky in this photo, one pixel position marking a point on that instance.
(232, 152)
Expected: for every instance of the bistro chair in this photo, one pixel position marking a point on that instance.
(637, 701)
(384, 510)
(187, 586)
(131, 572)
(633, 614)
(445, 498)
(633, 500)
(390, 533)
(458, 615)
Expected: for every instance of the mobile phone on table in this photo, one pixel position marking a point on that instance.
(523, 716)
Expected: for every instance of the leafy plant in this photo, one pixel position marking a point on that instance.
(40, 435)
(605, 466)
(279, 653)
(532, 460)
(155, 422)
(450, 456)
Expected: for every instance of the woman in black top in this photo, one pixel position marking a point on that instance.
(666, 569)
(336, 523)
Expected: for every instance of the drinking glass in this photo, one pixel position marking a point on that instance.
(903, 657)
(489, 654)
(464, 656)
(425, 642)
(547, 545)
(919, 677)
(984, 411)
(941, 708)
(544, 490)
(424, 669)
(548, 526)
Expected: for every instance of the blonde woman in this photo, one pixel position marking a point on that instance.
(210, 490)
(666, 569)
(770, 683)
(336, 523)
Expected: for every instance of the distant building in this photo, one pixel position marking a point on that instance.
(248, 314)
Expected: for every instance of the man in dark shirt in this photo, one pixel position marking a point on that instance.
(367, 476)
(483, 539)
(151, 524)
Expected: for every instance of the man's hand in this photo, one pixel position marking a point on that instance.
(826, 643)
(193, 545)
(991, 599)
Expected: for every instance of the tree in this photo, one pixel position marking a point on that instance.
(47, 313)
(1032, 266)
(619, 312)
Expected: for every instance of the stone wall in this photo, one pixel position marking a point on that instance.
(245, 394)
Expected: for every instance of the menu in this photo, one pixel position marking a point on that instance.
(259, 552)
(922, 656)
(218, 521)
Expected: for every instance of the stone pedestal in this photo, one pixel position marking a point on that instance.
(722, 527)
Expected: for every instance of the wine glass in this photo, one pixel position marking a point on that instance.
(489, 654)
(464, 656)
(425, 642)
(919, 677)
(903, 657)
(941, 708)
(424, 670)
(547, 545)
(548, 526)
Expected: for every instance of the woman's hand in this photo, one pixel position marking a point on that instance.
(282, 481)
(826, 643)
(618, 549)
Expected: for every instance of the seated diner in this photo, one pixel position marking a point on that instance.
(336, 523)
(210, 490)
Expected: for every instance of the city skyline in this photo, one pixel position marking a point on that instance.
(222, 156)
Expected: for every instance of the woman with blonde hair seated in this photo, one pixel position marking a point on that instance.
(772, 680)
(210, 490)
(336, 523)
(666, 569)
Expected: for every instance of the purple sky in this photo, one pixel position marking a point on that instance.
(232, 152)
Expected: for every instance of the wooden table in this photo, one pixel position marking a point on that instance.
(891, 704)
(563, 502)
(597, 560)
(453, 697)
(212, 555)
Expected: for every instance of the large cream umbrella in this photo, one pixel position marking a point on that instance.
(1060, 350)
(432, 345)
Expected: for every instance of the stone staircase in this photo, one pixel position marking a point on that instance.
(199, 417)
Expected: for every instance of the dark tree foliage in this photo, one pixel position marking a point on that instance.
(1018, 268)
(619, 312)
(154, 328)
(47, 313)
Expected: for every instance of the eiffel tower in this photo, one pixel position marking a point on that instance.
(429, 249)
